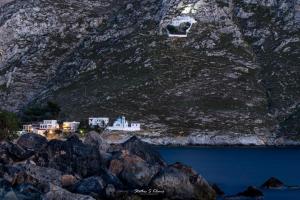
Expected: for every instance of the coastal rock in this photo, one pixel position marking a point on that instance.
(145, 151)
(34, 175)
(58, 193)
(249, 193)
(20, 192)
(218, 190)
(5, 188)
(32, 141)
(27, 192)
(4, 155)
(70, 169)
(181, 182)
(68, 180)
(116, 166)
(70, 156)
(94, 139)
(136, 172)
(15, 152)
(272, 183)
(93, 186)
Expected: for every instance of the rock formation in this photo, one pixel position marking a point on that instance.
(73, 170)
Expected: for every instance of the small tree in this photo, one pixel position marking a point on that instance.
(84, 128)
(9, 125)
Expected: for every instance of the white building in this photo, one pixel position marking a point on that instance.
(122, 125)
(31, 128)
(70, 127)
(49, 125)
(98, 121)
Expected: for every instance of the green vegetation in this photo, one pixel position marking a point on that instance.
(84, 128)
(37, 113)
(9, 125)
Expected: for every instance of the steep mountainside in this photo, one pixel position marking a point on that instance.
(236, 72)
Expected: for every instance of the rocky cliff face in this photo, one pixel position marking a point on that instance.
(237, 71)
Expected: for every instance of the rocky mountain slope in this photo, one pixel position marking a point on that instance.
(236, 72)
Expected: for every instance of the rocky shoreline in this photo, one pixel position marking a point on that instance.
(204, 140)
(72, 169)
(33, 168)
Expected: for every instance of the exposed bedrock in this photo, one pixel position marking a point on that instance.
(73, 170)
(179, 67)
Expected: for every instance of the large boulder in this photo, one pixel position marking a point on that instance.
(93, 186)
(68, 180)
(31, 174)
(13, 152)
(27, 192)
(58, 193)
(5, 188)
(4, 155)
(133, 170)
(272, 183)
(70, 157)
(32, 141)
(93, 138)
(19, 192)
(145, 151)
(181, 182)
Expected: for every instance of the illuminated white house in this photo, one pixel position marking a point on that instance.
(33, 128)
(98, 121)
(70, 127)
(122, 125)
(28, 128)
(49, 125)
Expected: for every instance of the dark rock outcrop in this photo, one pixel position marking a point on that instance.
(94, 139)
(143, 150)
(73, 170)
(272, 183)
(32, 141)
(11, 151)
(181, 182)
(249, 193)
(58, 193)
(218, 190)
(133, 170)
(93, 186)
(19, 192)
(70, 156)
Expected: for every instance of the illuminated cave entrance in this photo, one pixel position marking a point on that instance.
(180, 26)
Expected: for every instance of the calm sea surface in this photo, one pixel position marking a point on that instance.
(234, 169)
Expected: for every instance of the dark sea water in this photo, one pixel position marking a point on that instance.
(234, 169)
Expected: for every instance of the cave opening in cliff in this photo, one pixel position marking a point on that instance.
(180, 26)
(180, 30)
